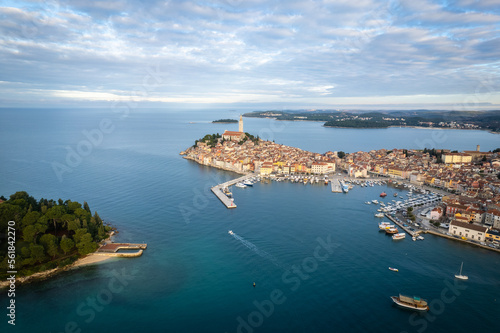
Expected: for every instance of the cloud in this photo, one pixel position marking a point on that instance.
(243, 51)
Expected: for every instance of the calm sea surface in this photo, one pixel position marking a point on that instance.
(317, 258)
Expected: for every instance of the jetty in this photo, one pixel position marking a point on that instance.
(399, 224)
(336, 187)
(111, 249)
(218, 190)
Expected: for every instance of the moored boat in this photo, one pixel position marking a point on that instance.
(400, 235)
(240, 185)
(383, 195)
(391, 231)
(459, 275)
(379, 215)
(412, 303)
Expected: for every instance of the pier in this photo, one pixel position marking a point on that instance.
(219, 193)
(336, 187)
(111, 249)
(399, 224)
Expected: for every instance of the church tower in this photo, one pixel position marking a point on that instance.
(241, 124)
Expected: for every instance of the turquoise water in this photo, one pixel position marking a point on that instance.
(194, 276)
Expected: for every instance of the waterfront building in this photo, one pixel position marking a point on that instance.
(467, 230)
(319, 168)
(493, 235)
(266, 169)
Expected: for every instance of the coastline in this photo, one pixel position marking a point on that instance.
(89, 259)
(214, 166)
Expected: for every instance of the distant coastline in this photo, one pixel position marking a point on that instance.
(476, 120)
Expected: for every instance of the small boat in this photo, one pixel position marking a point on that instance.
(254, 284)
(230, 232)
(375, 202)
(379, 215)
(420, 237)
(393, 269)
(385, 225)
(400, 235)
(412, 303)
(414, 238)
(392, 231)
(240, 185)
(383, 195)
(368, 203)
(247, 183)
(395, 194)
(459, 275)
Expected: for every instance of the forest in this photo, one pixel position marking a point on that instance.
(48, 233)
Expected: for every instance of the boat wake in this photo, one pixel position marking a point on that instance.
(258, 251)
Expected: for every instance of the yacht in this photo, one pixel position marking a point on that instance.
(413, 303)
(459, 275)
(400, 235)
(240, 185)
(248, 182)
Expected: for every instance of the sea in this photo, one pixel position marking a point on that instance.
(317, 259)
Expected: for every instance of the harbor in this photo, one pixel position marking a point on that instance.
(221, 191)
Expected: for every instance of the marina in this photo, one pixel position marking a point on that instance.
(221, 191)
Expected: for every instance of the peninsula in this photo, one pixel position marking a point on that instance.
(480, 120)
(45, 236)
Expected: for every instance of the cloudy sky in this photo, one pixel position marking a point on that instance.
(251, 53)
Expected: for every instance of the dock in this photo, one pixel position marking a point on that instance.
(336, 187)
(399, 224)
(111, 249)
(219, 193)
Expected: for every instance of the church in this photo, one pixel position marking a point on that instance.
(235, 136)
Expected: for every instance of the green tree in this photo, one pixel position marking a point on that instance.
(86, 206)
(67, 244)
(49, 243)
(37, 252)
(341, 154)
(30, 218)
(29, 233)
(86, 244)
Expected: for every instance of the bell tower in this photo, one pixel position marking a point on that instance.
(241, 124)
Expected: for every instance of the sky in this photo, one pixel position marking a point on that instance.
(257, 54)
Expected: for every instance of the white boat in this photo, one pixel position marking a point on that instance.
(420, 237)
(230, 232)
(379, 215)
(401, 235)
(368, 203)
(240, 185)
(393, 269)
(385, 225)
(414, 238)
(375, 202)
(459, 275)
(247, 183)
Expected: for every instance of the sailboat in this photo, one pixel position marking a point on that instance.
(459, 275)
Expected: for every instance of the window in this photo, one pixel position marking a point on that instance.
(460, 233)
(472, 236)
(479, 238)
